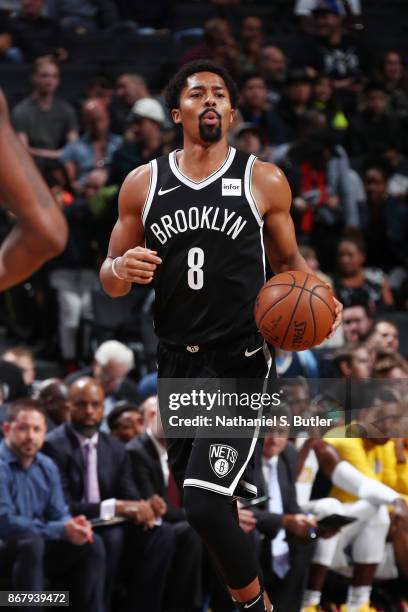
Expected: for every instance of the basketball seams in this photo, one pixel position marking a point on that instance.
(294, 309)
(312, 295)
(293, 325)
(273, 306)
(266, 286)
(312, 291)
(319, 297)
(313, 316)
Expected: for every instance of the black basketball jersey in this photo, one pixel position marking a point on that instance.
(209, 237)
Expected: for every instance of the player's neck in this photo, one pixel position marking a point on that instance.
(197, 161)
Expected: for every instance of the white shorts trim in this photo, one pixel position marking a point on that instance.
(211, 486)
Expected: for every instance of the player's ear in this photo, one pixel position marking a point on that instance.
(232, 117)
(176, 115)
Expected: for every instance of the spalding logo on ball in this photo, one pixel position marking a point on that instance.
(295, 311)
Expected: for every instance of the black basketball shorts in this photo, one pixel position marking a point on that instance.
(222, 464)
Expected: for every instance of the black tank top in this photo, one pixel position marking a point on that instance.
(209, 236)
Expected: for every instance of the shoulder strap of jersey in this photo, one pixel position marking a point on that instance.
(151, 189)
(251, 159)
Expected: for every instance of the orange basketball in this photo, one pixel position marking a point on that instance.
(294, 311)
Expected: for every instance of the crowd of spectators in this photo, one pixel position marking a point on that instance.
(327, 111)
(333, 114)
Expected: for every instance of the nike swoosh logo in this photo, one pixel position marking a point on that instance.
(164, 191)
(247, 606)
(250, 353)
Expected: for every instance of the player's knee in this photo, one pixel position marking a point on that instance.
(31, 547)
(328, 506)
(202, 510)
(381, 518)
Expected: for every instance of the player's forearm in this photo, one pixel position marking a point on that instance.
(292, 261)
(347, 477)
(46, 153)
(112, 285)
(19, 258)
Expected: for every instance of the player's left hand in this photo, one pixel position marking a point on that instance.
(158, 505)
(338, 315)
(247, 520)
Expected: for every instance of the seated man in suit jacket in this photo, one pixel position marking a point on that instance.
(282, 532)
(97, 482)
(151, 472)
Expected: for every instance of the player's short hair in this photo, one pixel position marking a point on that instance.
(119, 409)
(24, 404)
(18, 351)
(346, 353)
(112, 350)
(248, 76)
(377, 322)
(356, 238)
(178, 82)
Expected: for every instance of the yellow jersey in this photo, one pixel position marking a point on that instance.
(378, 462)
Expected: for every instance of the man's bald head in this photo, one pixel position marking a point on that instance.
(86, 397)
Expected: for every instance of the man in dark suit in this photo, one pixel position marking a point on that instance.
(148, 456)
(111, 365)
(279, 529)
(97, 482)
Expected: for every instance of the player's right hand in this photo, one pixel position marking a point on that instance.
(137, 265)
(78, 531)
(247, 520)
(158, 505)
(140, 512)
(299, 524)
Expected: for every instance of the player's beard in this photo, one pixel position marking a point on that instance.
(209, 133)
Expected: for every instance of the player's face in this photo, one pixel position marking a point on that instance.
(386, 338)
(349, 258)
(25, 436)
(129, 425)
(111, 375)
(356, 323)
(86, 403)
(205, 108)
(323, 90)
(275, 442)
(46, 78)
(361, 364)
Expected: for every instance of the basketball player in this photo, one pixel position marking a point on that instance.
(40, 231)
(203, 214)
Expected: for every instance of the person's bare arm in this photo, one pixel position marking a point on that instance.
(46, 153)
(326, 456)
(41, 231)
(134, 263)
(273, 196)
(386, 295)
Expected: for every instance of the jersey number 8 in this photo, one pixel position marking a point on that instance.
(195, 276)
